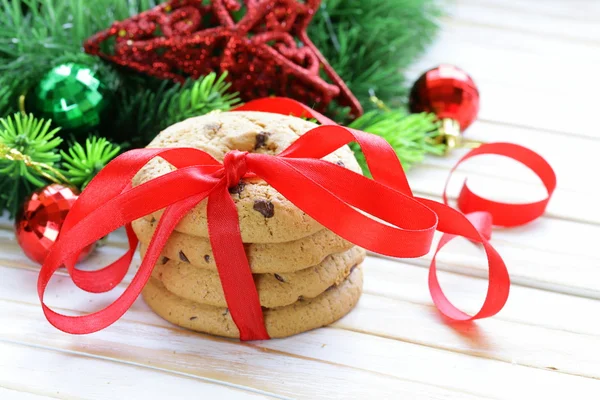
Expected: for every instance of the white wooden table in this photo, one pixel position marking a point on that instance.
(537, 65)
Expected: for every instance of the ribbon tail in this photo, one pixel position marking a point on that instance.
(475, 227)
(83, 228)
(409, 225)
(233, 267)
(101, 319)
(107, 278)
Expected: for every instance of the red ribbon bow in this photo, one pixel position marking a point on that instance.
(315, 186)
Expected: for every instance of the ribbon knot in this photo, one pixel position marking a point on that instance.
(234, 166)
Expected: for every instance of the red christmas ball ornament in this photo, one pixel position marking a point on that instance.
(450, 93)
(39, 221)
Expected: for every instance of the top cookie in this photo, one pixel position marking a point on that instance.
(265, 216)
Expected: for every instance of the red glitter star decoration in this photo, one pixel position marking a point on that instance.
(259, 49)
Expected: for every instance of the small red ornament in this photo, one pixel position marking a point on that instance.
(448, 92)
(264, 48)
(38, 223)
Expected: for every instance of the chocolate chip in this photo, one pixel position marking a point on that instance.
(264, 207)
(237, 189)
(183, 257)
(279, 278)
(261, 140)
(213, 126)
(164, 260)
(226, 312)
(153, 220)
(300, 298)
(340, 163)
(193, 318)
(206, 258)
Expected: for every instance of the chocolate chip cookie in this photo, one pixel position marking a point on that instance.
(298, 317)
(265, 216)
(263, 257)
(274, 289)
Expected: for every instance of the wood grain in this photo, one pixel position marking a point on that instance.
(168, 347)
(404, 319)
(68, 373)
(535, 63)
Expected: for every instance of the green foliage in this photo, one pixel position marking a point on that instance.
(30, 158)
(371, 42)
(411, 135)
(35, 142)
(49, 33)
(81, 163)
(368, 42)
(145, 112)
(201, 97)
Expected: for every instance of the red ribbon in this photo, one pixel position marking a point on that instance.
(317, 187)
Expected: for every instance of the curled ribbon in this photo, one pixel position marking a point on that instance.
(313, 185)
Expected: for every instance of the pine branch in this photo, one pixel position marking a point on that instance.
(143, 113)
(82, 164)
(31, 164)
(201, 97)
(371, 42)
(410, 135)
(52, 28)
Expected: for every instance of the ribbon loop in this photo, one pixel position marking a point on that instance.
(507, 214)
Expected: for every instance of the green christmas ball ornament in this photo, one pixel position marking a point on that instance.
(71, 95)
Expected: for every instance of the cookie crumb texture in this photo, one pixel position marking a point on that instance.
(274, 290)
(265, 216)
(303, 315)
(263, 257)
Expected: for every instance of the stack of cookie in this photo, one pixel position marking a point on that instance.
(306, 276)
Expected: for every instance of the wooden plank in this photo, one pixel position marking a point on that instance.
(568, 23)
(583, 10)
(495, 339)
(333, 346)
(58, 374)
(567, 165)
(456, 31)
(167, 348)
(393, 279)
(10, 394)
(429, 180)
(397, 318)
(533, 73)
(421, 363)
(531, 260)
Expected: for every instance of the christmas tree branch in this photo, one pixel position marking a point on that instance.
(410, 135)
(144, 112)
(28, 158)
(81, 163)
(371, 42)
